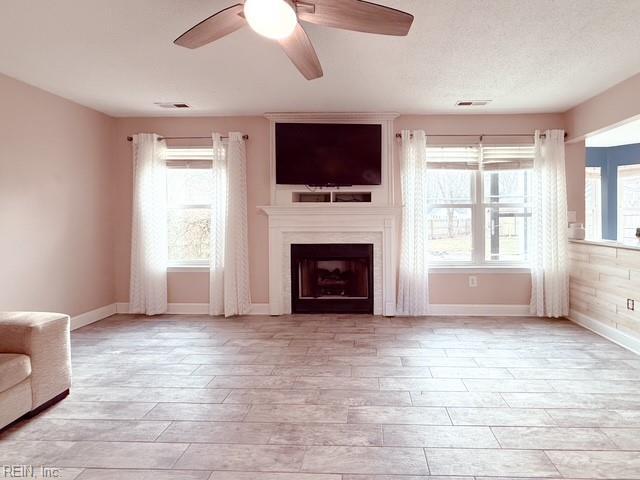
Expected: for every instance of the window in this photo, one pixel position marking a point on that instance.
(189, 184)
(479, 204)
(628, 202)
(593, 203)
(507, 215)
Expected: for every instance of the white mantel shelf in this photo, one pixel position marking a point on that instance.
(333, 209)
(609, 243)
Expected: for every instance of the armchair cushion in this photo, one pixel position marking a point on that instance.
(14, 368)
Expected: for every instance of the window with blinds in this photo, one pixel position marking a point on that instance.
(479, 210)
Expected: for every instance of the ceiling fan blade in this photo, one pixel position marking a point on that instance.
(355, 15)
(216, 26)
(299, 49)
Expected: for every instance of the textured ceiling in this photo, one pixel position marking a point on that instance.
(527, 56)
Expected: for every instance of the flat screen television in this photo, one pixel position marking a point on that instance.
(323, 154)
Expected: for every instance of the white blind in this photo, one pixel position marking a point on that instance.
(454, 158)
(629, 171)
(513, 157)
(197, 157)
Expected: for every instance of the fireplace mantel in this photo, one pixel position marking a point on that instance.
(332, 224)
(332, 210)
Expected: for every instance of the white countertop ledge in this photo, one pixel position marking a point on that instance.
(609, 243)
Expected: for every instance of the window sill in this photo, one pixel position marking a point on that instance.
(478, 269)
(187, 268)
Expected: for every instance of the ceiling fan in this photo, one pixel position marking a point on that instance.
(280, 20)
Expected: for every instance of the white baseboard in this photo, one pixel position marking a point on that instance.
(480, 310)
(93, 316)
(607, 331)
(436, 309)
(197, 308)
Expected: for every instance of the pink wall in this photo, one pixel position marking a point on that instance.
(611, 107)
(449, 288)
(615, 105)
(492, 289)
(194, 287)
(575, 158)
(66, 200)
(56, 187)
(189, 287)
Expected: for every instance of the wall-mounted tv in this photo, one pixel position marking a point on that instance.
(324, 154)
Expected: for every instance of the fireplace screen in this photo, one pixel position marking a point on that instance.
(329, 279)
(332, 278)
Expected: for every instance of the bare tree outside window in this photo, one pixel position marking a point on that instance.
(189, 218)
(479, 213)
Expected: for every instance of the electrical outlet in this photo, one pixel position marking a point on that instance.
(473, 281)
(631, 304)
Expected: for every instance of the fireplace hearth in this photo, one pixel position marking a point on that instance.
(332, 278)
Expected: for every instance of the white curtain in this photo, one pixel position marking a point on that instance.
(549, 258)
(149, 252)
(413, 288)
(229, 270)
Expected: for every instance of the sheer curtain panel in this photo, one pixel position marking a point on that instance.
(149, 251)
(549, 257)
(413, 286)
(229, 258)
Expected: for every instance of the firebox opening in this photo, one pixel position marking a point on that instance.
(332, 278)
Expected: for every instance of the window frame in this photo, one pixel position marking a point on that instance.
(621, 210)
(593, 229)
(471, 206)
(478, 208)
(190, 158)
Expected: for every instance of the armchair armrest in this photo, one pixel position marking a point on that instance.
(45, 337)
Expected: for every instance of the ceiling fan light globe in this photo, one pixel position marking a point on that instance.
(275, 19)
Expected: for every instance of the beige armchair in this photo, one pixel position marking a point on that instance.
(35, 362)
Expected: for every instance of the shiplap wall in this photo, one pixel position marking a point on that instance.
(602, 279)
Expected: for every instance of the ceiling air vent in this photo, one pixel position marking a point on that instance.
(472, 103)
(171, 105)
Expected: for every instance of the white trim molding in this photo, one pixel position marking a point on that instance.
(472, 310)
(196, 308)
(478, 269)
(610, 333)
(93, 316)
(436, 309)
(479, 310)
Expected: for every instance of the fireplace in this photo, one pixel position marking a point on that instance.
(332, 278)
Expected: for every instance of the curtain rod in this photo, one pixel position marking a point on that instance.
(245, 137)
(481, 135)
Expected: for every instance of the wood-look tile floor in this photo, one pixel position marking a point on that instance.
(339, 398)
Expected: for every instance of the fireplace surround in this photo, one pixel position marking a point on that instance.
(316, 224)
